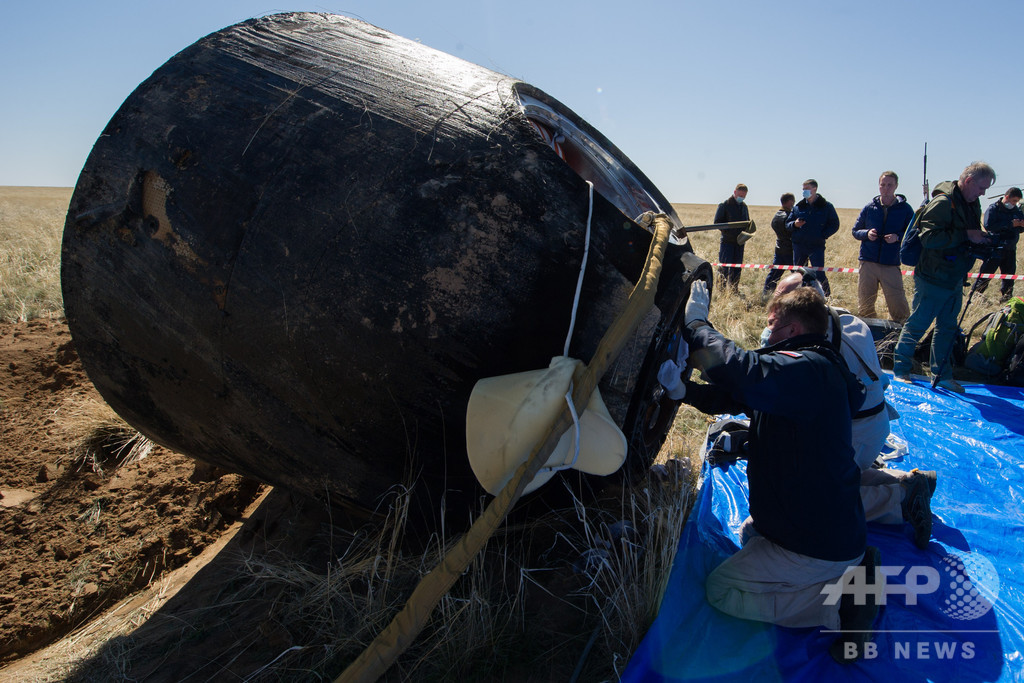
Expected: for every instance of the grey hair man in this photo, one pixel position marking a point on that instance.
(950, 222)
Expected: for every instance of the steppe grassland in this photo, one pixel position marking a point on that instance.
(741, 315)
(31, 222)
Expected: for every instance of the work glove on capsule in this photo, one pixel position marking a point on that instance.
(670, 374)
(698, 303)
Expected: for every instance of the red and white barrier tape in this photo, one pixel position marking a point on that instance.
(983, 276)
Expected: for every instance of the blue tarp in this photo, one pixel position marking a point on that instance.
(975, 442)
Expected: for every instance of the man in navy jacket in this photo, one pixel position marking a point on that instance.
(812, 222)
(880, 227)
(1004, 219)
(806, 525)
(730, 249)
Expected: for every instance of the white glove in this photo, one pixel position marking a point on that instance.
(670, 376)
(670, 373)
(697, 304)
(743, 237)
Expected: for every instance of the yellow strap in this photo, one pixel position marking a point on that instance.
(408, 623)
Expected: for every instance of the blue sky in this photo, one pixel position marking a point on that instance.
(700, 95)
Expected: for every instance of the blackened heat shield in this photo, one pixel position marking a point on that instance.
(297, 245)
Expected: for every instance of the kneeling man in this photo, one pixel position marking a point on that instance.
(806, 524)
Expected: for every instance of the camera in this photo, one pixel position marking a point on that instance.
(993, 248)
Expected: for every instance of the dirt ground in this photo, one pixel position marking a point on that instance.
(80, 533)
(165, 569)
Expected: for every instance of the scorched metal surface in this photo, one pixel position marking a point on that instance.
(297, 245)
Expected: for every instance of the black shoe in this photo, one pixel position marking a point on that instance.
(856, 620)
(917, 509)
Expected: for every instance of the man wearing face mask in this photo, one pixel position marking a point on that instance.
(950, 222)
(783, 244)
(1005, 220)
(806, 524)
(880, 227)
(812, 222)
(730, 249)
(889, 496)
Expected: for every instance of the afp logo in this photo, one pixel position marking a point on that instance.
(966, 584)
(970, 583)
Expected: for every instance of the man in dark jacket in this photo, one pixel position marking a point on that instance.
(1005, 220)
(950, 222)
(812, 222)
(880, 227)
(783, 244)
(806, 525)
(730, 249)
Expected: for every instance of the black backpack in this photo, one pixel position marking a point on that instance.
(923, 350)
(1014, 374)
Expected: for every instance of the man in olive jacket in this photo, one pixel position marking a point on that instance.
(949, 223)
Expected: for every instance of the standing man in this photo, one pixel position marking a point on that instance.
(806, 524)
(783, 244)
(812, 222)
(730, 250)
(949, 223)
(1005, 220)
(880, 227)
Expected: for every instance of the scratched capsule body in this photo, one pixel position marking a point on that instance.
(297, 246)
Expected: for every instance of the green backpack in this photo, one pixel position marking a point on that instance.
(1004, 328)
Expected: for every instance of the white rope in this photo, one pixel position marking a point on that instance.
(568, 339)
(583, 267)
(576, 440)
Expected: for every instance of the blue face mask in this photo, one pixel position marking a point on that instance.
(807, 194)
(739, 199)
(1009, 206)
(765, 333)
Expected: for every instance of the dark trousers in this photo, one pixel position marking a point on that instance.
(783, 257)
(730, 253)
(804, 253)
(1006, 263)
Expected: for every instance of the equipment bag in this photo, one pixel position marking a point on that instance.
(1014, 374)
(991, 353)
(910, 247)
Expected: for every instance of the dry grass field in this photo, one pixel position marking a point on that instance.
(732, 314)
(31, 222)
(111, 573)
(741, 316)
